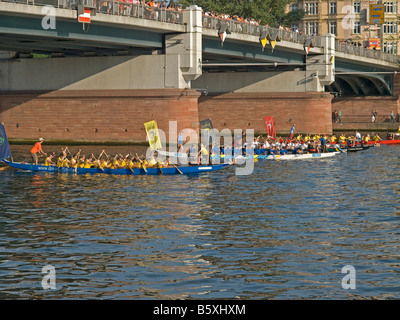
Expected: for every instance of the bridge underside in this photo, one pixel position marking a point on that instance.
(361, 86)
(26, 35)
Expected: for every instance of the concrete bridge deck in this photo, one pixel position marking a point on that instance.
(118, 31)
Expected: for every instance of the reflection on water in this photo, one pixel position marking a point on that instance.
(285, 231)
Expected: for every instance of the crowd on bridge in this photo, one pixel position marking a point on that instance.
(131, 7)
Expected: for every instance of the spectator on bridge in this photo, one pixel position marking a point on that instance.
(172, 16)
(135, 4)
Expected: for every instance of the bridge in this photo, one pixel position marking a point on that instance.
(135, 51)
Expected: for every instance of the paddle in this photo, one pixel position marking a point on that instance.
(159, 167)
(144, 168)
(177, 169)
(130, 163)
(98, 161)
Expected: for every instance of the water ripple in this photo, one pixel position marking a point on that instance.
(284, 232)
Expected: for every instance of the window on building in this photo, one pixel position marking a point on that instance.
(294, 6)
(312, 7)
(312, 28)
(357, 7)
(333, 27)
(357, 27)
(390, 27)
(390, 7)
(390, 47)
(332, 8)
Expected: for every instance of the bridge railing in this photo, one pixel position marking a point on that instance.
(64, 4)
(113, 7)
(364, 52)
(254, 30)
(141, 11)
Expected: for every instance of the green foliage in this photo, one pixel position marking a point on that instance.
(294, 17)
(272, 12)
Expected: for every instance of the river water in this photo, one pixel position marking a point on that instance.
(283, 232)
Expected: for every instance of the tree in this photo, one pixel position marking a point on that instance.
(272, 12)
(293, 17)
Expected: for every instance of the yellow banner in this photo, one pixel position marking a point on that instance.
(153, 135)
(263, 42)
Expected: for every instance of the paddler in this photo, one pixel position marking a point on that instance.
(377, 137)
(105, 164)
(89, 162)
(81, 161)
(342, 138)
(74, 160)
(97, 162)
(123, 161)
(49, 160)
(37, 149)
(61, 157)
(203, 153)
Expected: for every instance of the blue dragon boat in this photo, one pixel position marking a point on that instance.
(134, 171)
(5, 153)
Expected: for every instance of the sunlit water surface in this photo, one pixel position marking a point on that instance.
(283, 232)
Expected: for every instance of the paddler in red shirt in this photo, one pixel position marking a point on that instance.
(37, 149)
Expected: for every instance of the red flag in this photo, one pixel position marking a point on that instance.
(269, 124)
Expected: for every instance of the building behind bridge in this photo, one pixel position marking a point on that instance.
(349, 21)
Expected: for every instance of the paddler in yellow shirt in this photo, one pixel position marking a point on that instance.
(105, 164)
(60, 160)
(97, 162)
(203, 153)
(152, 162)
(123, 161)
(81, 162)
(89, 162)
(130, 164)
(61, 157)
(377, 137)
(48, 161)
(74, 160)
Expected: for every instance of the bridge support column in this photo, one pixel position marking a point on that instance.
(323, 66)
(186, 49)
